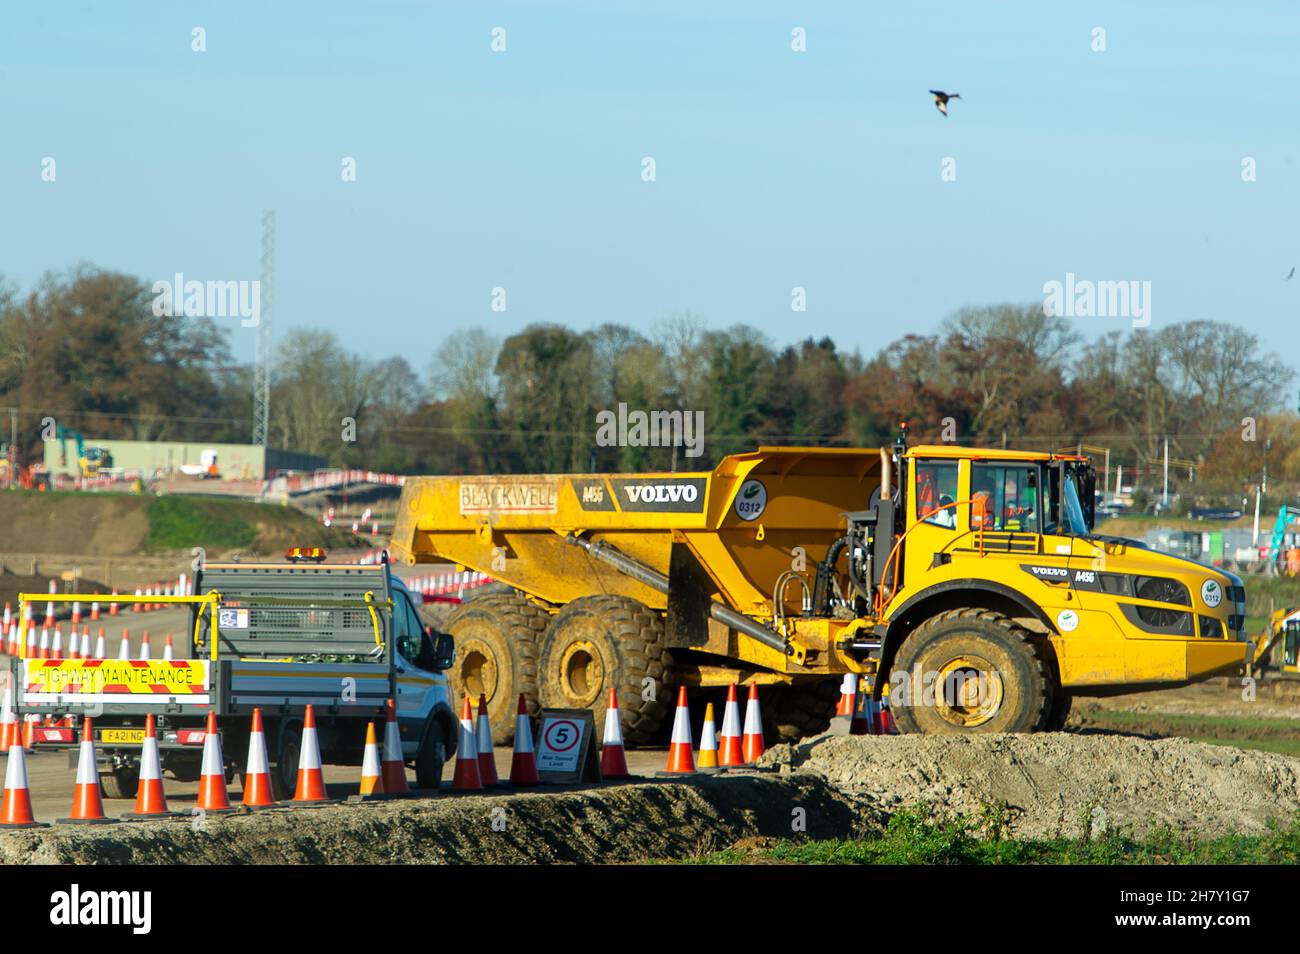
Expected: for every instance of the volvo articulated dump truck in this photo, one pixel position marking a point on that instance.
(965, 584)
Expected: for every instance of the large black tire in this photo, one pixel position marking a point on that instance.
(121, 782)
(496, 654)
(599, 642)
(791, 713)
(1015, 692)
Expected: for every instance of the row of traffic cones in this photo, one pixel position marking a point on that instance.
(733, 748)
(43, 647)
(869, 716)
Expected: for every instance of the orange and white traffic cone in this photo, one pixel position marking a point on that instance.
(212, 776)
(10, 731)
(85, 642)
(753, 741)
(16, 808)
(100, 647)
(149, 799)
(393, 767)
(124, 648)
(372, 778)
(731, 752)
(487, 760)
(43, 652)
(144, 645)
(87, 800)
(848, 694)
(56, 648)
(708, 740)
(864, 716)
(680, 758)
(311, 780)
(613, 756)
(258, 791)
(114, 605)
(523, 761)
(169, 649)
(885, 719)
(467, 778)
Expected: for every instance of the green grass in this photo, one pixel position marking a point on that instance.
(179, 522)
(1264, 735)
(913, 838)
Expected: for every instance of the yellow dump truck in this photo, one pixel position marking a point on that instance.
(967, 585)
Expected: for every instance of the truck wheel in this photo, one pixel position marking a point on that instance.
(496, 654)
(791, 713)
(121, 782)
(431, 757)
(974, 671)
(601, 641)
(284, 762)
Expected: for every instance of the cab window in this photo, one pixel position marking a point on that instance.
(936, 492)
(407, 629)
(1006, 496)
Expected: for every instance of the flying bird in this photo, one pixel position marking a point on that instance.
(941, 99)
(1290, 275)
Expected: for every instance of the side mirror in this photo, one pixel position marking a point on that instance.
(444, 651)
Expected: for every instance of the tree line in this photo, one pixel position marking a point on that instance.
(86, 348)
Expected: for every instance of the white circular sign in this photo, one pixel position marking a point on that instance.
(1211, 593)
(751, 501)
(1067, 621)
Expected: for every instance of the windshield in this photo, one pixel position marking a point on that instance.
(1074, 519)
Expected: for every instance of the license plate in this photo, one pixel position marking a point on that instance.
(122, 736)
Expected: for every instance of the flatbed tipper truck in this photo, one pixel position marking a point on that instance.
(274, 636)
(965, 584)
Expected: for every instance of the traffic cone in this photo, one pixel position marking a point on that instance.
(680, 758)
(487, 762)
(144, 645)
(885, 719)
(150, 802)
(56, 648)
(16, 808)
(311, 781)
(257, 777)
(169, 650)
(731, 752)
(94, 611)
(212, 777)
(708, 740)
(44, 651)
(100, 648)
(87, 801)
(114, 606)
(523, 761)
(10, 731)
(753, 741)
(467, 778)
(135, 607)
(124, 648)
(848, 693)
(864, 718)
(613, 757)
(393, 768)
(372, 779)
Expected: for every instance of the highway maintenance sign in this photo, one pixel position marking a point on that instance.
(565, 750)
(118, 681)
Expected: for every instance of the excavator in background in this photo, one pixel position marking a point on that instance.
(90, 460)
(1277, 649)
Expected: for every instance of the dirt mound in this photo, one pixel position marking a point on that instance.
(101, 524)
(610, 824)
(1061, 783)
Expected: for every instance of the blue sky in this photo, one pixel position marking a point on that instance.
(775, 169)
